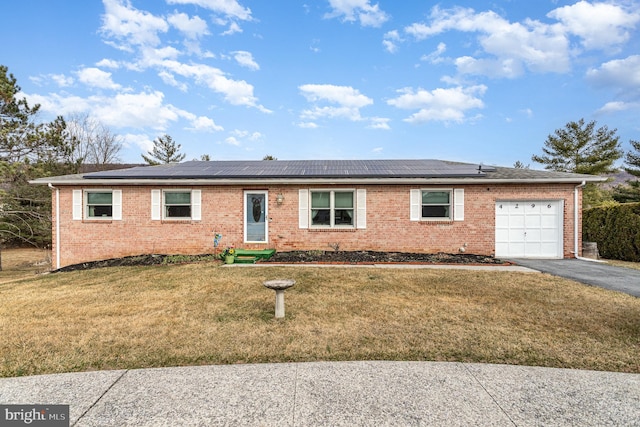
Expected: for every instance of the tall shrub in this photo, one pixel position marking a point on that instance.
(616, 229)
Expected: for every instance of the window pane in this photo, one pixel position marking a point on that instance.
(344, 216)
(99, 198)
(320, 217)
(435, 197)
(320, 199)
(178, 211)
(344, 200)
(100, 211)
(435, 211)
(182, 198)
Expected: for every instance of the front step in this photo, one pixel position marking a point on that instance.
(255, 253)
(243, 259)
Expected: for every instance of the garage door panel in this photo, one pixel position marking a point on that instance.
(529, 229)
(533, 236)
(533, 221)
(516, 221)
(548, 221)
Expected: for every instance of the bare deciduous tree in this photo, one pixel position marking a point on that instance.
(96, 143)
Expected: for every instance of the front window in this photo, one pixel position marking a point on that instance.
(332, 208)
(436, 204)
(177, 204)
(99, 204)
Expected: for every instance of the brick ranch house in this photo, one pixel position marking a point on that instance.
(384, 205)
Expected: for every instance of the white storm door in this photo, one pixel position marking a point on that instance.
(255, 217)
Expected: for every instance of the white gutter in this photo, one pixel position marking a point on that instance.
(57, 224)
(308, 181)
(575, 224)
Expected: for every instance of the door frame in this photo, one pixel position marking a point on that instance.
(246, 193)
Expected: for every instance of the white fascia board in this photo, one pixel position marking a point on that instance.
(313, 181)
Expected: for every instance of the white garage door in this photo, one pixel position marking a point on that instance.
(529, 229)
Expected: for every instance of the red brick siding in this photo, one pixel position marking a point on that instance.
(388, 223)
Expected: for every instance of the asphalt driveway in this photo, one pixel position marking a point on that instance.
(592, 273)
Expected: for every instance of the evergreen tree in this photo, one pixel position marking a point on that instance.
(164, 151)
(28, 150)
(581, 148)
(630, 192)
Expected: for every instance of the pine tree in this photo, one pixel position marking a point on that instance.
(28, 150)
(164, 150)
(630, 192)
(581, 148)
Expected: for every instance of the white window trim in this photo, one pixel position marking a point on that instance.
(81, 205)
(456, 205)
(158, 204)
(332, 208)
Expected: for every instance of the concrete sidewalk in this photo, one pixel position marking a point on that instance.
(337, 394)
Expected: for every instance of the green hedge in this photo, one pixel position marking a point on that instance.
(616, 229)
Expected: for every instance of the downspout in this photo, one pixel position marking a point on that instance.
(576, 225)
(57, 225)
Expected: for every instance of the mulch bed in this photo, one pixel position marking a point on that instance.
(301, 257)
(373, 257)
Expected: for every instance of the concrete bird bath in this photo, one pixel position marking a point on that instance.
(279, 285)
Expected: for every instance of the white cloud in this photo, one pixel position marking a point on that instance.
(245, 59)
(247, 135)
(362, 10)
(446, 105)
(599, 25)
(391, 40)
(236, 92)
(170, 79)
(62, 80)
(232, 141)
(203, 124)
(349, 102)
(379, 123)
(230, 8)
(108, 63)
(56, 104)
(621, 74)
(193, 28)
(512, 46)
(95, 77)
(136, 110)
(435, 57)
(125, 110)
(308, 125)
(233, 28)
(617, 106)
(144, 142)
(343, 95)
(59, 79)
(131, 26)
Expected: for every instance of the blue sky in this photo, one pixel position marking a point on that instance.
(481, 82)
